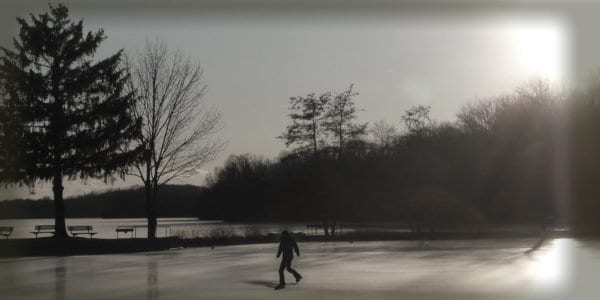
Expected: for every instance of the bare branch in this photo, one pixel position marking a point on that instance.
(177, 126)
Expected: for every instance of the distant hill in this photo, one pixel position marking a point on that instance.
(174, 201)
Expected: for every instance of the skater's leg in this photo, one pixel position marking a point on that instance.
(291, 270)
(281, 268)
(296, 274)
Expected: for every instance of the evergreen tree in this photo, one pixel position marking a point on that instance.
(72, 116)
(11, 167)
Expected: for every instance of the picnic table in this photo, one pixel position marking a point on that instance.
(125, 229)
(39, 229)
(6, 231)
(130, 228)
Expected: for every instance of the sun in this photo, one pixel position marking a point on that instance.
(541, 49)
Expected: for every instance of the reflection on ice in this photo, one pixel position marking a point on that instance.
(152, 280)
(551, 265)
(60, 271)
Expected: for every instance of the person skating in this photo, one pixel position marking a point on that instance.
(286, 247)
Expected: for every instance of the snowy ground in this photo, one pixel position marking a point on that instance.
(488, 269)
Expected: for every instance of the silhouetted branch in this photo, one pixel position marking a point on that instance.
(177, 126)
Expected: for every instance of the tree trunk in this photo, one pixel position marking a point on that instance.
(57, 131)
(315, 142)
(333, 225)
(60, 229)
(151, 210)
(326, 228)
(340, 148)
(154, 206)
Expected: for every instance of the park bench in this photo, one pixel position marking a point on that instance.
(6, 231)
(43, 229)
(125, 229)
(76, 230)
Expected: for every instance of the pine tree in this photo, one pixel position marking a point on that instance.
(11, 167)
(68, 115)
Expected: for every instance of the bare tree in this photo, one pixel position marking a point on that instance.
(307, 129)
(416, 119)
(383, 133)
(340, 119)
(480, 116)
(177, 126)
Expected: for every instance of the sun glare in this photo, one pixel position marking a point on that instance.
(551, 267)
(541, 49)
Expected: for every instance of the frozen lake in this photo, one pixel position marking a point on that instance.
(484, 269)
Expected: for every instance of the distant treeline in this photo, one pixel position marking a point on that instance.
(176, 201)
(531, 156)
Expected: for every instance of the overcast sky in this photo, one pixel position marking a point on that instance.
(257, 54)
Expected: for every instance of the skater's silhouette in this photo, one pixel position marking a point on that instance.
(286, 246)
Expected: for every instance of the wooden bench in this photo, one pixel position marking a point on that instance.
(125, 229)
(76, 230)
(6, 231)
(43, 229)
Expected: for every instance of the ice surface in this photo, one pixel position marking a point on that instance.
(485, 269)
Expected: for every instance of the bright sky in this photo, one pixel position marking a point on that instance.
(255, 60)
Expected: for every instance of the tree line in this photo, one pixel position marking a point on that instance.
(179, 201)
(526, 157)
